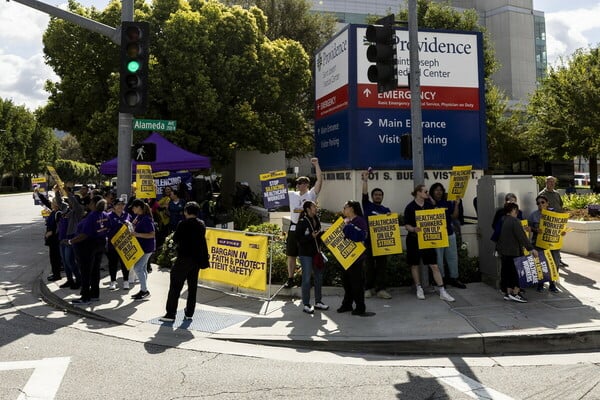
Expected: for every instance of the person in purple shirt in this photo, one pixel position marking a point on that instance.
(143, 230)
(90, 244)
(116, 219)
(376, 265)
(355, 228)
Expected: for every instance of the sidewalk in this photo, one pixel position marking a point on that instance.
(479, 322)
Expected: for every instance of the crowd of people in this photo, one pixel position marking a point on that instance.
(81, 225)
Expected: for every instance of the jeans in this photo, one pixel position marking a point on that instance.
(307, 269)
(142, 273)
(451, 255)
(72, 272)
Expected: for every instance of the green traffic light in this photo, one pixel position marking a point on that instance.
(133, 66)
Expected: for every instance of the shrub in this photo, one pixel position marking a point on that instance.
(243, 217)
(167, 253)
(580, 201)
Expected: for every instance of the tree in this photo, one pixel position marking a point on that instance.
(564, 119)
(70, 148)
(213, 69)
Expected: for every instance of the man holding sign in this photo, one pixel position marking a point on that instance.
(414, 255)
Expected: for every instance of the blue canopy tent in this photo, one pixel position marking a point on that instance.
(169, 157)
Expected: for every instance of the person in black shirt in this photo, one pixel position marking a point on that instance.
(192, 255)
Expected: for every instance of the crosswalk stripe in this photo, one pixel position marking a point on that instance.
(468, 386)
(45, 379)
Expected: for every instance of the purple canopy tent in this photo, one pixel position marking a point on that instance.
(169, 157)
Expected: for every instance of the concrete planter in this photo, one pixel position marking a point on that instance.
(585, 238)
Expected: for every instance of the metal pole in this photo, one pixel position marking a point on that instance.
(125, 130)
(415, 96)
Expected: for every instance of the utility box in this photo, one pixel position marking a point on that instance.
(491, 190)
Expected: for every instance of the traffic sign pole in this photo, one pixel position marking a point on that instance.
(416, 117)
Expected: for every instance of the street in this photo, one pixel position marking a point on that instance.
(44, 352)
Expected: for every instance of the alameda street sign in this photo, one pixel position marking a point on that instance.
(154, 125)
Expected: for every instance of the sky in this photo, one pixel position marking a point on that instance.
(569, 25)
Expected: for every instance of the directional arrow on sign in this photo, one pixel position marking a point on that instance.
(367, 92)
(368, 122)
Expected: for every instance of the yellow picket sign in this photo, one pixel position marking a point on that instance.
(433, 232)
(551, 266)
(57, 179)
(552, 224)
(127, 246)
(144, 182)
(237, 258)
(384, 231)
(344, 250)
(459, 180)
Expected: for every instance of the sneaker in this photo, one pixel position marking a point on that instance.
(288, 284)
(185, 315)
(308, 309)
(81, 301)
(553, 288)
(167, 318)
(141, 295)
(53, 278)
(112, 286)
(383, 294)
(458, 284)
(368, 294)
(66, 285)
(446, 296)
(540, 287)
(126, 285)
(506, 297)
(420, 294)
(320, 306)
(517, 297)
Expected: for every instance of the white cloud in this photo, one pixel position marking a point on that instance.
(566, 31)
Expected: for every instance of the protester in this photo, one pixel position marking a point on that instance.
(143, 230)
(175, 210)
(555, 203)
(89, 244)
(414, 255)
(376, 276)
(116, 219)
(353, 278)
(509, 245)
(72, 213)
(192, 255)
(534, 223)
(308, 231)
(296, 199)
(51, 236)
(449, 254)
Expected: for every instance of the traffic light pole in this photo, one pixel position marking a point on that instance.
(125, 129)
(415, 96)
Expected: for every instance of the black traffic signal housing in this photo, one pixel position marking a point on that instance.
(135, 51)
(406, 146)
(382, 52)
(143, 152)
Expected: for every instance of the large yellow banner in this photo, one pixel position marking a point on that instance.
(344, 250)
(237, 258)
(459, 180)
(144, 182)
(384, 231)
(127, 247)
(433, 233)
(552, 225)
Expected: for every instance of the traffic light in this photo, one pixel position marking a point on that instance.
(406, 146)
(135, 46)
(382, 52)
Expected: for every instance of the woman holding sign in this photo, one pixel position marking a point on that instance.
(355, 229)
(414, 255)
(143, 230)
(308, 230)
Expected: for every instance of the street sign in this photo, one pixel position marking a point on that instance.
(163, 125)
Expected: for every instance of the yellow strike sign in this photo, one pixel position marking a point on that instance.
(57, 179)
(127, 246)
(384, 231)
(459, 180)
(236, 258)
(433, 233)
(144, 182)
(552, 225)
(345, 250)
